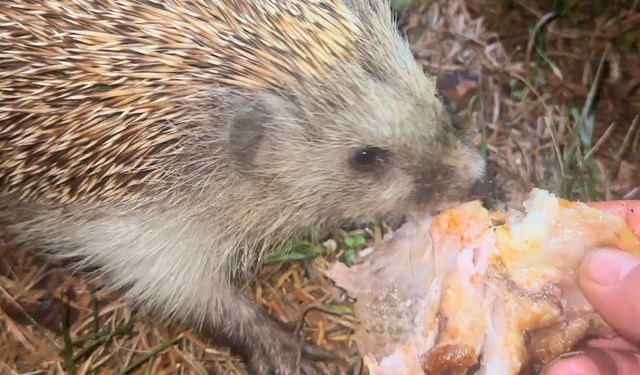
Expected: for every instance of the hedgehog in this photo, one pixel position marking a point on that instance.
(172, 144)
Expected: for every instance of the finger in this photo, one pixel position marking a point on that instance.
(597, 362)
(616, 343)
(575, 365)
(610, 280)
(628, 362)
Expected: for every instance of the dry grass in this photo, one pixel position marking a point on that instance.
(107, 337)
(550, 82)
(551, 93)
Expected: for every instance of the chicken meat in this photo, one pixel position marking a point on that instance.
(470, 291)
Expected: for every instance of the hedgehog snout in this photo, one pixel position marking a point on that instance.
(457, 178)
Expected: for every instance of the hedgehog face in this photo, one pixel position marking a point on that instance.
(405, 155)
(367, 137)
(388, 155)
(443, 171)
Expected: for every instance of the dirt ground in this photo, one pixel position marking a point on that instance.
(549, 89)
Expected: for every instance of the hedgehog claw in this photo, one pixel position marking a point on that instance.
(313, 352)
(281, 357)
(316, 353)
(277, 353)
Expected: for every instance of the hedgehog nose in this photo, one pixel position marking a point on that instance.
(432, 185)
(488, 188)
(449, 184)
(479, 188)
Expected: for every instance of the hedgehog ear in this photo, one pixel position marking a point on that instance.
(249, 128)
(246, 131)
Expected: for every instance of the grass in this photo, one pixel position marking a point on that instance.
(550, 109)
(352, 244)
(580, 177)
(302, 250)
(152, 354)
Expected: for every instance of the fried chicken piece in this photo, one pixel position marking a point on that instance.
(458, 292)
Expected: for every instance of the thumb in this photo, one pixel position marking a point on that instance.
(610, 280)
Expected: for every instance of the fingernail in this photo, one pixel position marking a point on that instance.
(562, 358)
(608, 267)
(570, 354)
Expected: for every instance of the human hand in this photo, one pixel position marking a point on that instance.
(610, 279)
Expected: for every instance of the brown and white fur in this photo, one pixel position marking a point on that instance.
(172, 143)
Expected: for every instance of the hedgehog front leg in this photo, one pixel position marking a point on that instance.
(170, 268)
(188, 282)
(266, 345)
(178, 270)
(175, 269)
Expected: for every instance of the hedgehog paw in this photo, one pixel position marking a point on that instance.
(278, 355)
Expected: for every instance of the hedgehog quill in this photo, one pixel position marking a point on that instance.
(172, 144)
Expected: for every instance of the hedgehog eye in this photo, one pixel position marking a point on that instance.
(368, 159)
